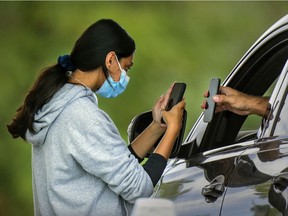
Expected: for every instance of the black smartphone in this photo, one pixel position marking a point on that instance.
(210, 104)
(176, 96)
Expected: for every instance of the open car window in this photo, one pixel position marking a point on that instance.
(252, 122)
(255, 74)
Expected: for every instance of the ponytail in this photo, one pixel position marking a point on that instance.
(47, 84)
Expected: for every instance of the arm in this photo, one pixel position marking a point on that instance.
(173, 118)
(145, 141)
(239, 103)
(158, 160)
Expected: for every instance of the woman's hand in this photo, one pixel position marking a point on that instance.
(174, 117)
(238, 102)
(159, 106)
(145, 141)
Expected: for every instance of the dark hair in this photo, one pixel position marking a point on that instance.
(89, 53)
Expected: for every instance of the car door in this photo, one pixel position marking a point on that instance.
(183, 184)
(263, 168)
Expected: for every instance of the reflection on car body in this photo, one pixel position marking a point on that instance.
(223, 169)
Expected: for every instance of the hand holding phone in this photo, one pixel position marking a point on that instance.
(175, 97)
(210, 104)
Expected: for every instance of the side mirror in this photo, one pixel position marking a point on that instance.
(142, 121)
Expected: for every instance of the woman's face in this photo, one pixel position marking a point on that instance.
(125, 63)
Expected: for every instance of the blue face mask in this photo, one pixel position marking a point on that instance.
(111, 88)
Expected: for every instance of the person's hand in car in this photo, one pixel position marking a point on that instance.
(238, 102)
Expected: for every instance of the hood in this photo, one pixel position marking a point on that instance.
(50, 111)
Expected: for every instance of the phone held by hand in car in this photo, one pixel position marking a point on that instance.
(210, 104)
(175, 97)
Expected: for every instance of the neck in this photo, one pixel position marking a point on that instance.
(91, 79)
(78, 82)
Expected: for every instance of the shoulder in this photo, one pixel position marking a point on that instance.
(85, 110)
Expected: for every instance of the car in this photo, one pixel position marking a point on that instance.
(223, 167)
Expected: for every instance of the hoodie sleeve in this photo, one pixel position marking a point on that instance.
(102, 152)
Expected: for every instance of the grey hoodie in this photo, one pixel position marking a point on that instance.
(81, 165)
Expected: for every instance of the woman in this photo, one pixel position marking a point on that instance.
(81, 165)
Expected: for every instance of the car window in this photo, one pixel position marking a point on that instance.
(254, 121)
(255, 74)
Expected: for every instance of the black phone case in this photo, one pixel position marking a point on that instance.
(210, 109)
(176, 95)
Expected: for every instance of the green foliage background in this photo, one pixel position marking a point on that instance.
(176, 41)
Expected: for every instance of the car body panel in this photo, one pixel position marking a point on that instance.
(258, 166)
(248, 170)
(183, 182)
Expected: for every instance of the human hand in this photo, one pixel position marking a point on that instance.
(238, 102)
(160, 105)
(174, 117)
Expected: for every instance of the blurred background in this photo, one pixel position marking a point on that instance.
(176, 41)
